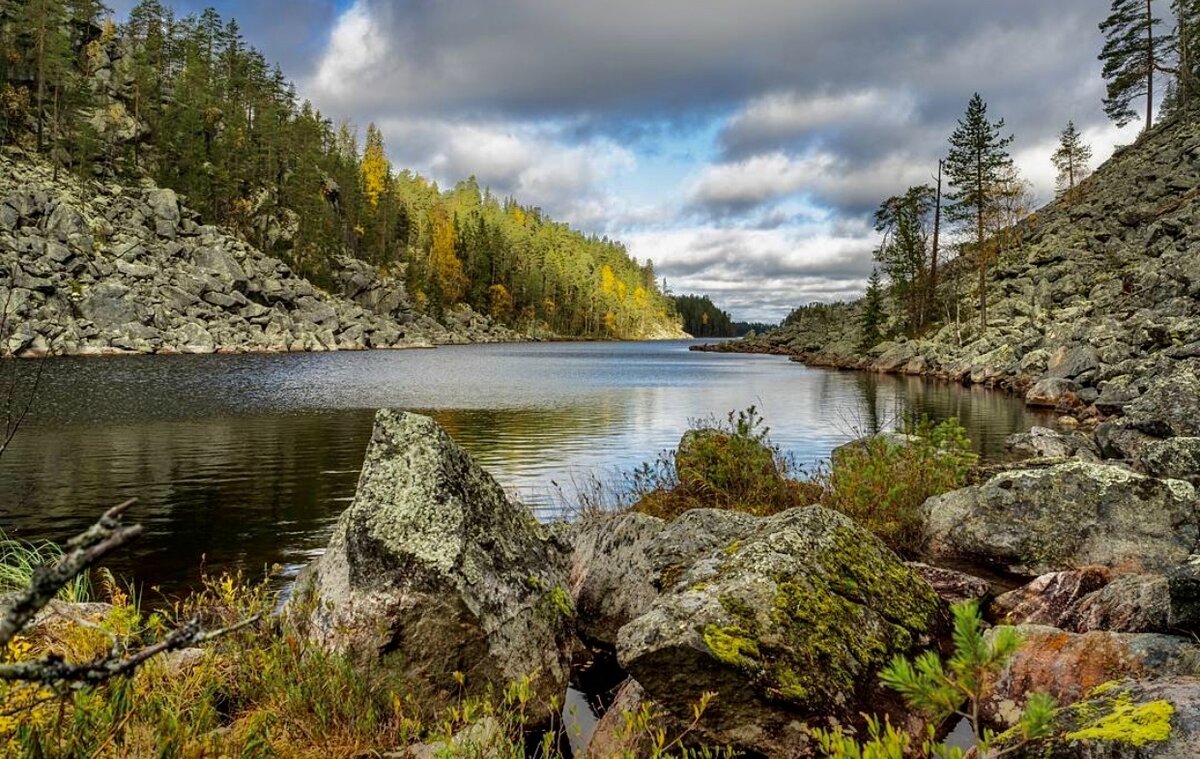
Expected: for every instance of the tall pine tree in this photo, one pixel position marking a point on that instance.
(975, 166)
(1133, 52)
(872, 314)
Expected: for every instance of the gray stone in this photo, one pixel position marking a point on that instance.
(1130, 603)
(1177, 458)
(1170, 406)
(1049, 599)
(1042, 442)
(790, 625)
(433, 570)
(1052, 392)
(1072, 514)
(109, 305)
(951, 585)
(1071, 362)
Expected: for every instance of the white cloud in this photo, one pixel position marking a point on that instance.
(357, 47)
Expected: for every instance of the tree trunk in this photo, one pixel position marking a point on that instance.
(937, 228)
(1150, 65)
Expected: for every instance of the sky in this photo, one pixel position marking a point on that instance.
(741, 145)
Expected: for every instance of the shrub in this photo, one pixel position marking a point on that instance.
(882, 483)
(722, 464)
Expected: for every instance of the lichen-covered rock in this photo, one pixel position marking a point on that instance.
(1052, 392)
(432, 570)
(1073, 514)
(1170, 406)
(611, 578)
(1043, 442)
(1177, 457)
(1068, 666)
(1151, 719)
(1130, 603)
(790, 622)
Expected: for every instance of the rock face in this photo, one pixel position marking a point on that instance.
(432, 570)
(1068, 666)
(790, 621)
(89, 268)
(1049, 599)
(1073, 514)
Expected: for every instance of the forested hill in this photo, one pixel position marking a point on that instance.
(189, 104)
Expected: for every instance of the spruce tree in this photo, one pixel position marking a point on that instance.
(1133, 51)
(872, 314)
(903, 253)
(1071, 158)
(975, 165)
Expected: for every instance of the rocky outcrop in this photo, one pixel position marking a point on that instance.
(1069, 666)
(790, 621)
(1050, 599)
(97, 268)
(1073, 514)
(433, 570)
(612, 577)
(1096, 306)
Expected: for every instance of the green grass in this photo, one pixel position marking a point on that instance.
(19, 559)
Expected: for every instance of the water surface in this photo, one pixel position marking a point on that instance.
(246, 461)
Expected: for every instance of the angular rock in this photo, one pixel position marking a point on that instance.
(1070, 362)
(611, 578)
(1069, 515)
(1176, 458)
(1049, 599)
(1042, 442)
(1052, 393)
(1131, 603)
(789, 624)
(1169, 407)
(433, 570)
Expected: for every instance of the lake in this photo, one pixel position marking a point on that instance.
(246, 461)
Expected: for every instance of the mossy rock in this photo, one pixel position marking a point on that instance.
(790, 626)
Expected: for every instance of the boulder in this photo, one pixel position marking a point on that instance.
(1073, 514)
(611, 577)
(109, 305)
(432, 570)
(1121, 439)
(1042, 442)
(1069, 666)
(1130, 603)
(790, 623)
(1049, 599)
(1150, 719)
(1169, 407)
(1177, 458)
(1052, 392)
(1071, 362)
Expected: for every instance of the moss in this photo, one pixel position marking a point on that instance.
(732, 645)
(1126, 722)
(561, 600)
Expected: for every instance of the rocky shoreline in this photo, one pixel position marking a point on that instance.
(92, 268)
(1096, 306)
(788, 619)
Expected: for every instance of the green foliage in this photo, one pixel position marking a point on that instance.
(702, 318)
(722, 464)
(266, 691)
(872, 314)
(942, 690)
(1071, 158)
(217, 123)
(1133, 50)
(906, 221)
(881, 484)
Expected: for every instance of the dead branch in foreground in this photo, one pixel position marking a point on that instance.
(84, 550)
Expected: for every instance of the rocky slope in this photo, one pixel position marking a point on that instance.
(98, 268)
(1101, 296)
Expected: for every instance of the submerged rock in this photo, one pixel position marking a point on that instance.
(789, 622)
(1069, 515)
(433, 570)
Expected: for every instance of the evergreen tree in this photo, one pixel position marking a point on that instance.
(1071, 158)
(872, 313)
(1185, 87)
(975, 165)
(903, 253)
(1133, 51)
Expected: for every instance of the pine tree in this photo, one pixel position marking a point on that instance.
(903, 253)
(1186, 86)
(975, 165)
(872, 314)
(1071, 158)
(1133, 51)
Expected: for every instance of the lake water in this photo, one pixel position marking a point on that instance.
(247, 461)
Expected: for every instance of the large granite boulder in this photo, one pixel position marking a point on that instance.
(1170, 406)
(788, 623)
(433, 570)
(1073, 514)
(1049, 599)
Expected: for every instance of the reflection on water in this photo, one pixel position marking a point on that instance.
(246, 461)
